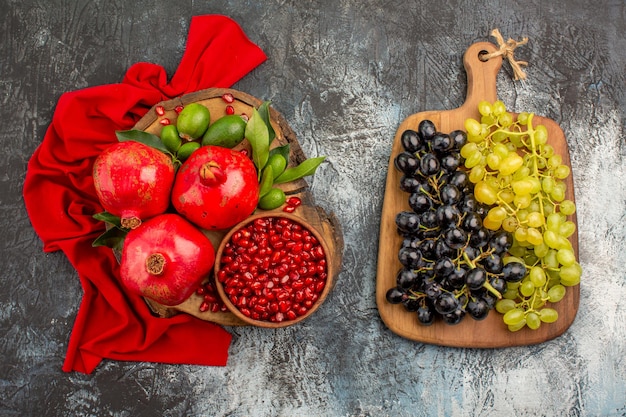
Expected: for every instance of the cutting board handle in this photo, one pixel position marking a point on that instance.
(481, 75)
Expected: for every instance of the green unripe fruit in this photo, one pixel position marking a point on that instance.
(193, 121)
(227, 132)
(273, 199)
(187, 149)
(170, 138)
(278, 164)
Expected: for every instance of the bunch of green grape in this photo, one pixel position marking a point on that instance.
(518, 175)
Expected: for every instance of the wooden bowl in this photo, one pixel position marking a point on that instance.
(226, 298)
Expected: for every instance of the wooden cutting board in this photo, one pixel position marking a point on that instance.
(325, 223)
(491, 332)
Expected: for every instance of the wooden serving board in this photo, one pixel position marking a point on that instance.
(325, 223)
(490, 332)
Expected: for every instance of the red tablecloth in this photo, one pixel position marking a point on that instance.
(60, 199)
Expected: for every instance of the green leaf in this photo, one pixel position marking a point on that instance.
(267, 180)
(140, 136)
(264, 111)
(257, 134)
(112, 238)
(306, 168)
(282, 150)
(108, 218)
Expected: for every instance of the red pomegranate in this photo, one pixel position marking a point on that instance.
(133, 181)
(216, 188)
(165, 259)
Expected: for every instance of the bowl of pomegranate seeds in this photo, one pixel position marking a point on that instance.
(272, 270)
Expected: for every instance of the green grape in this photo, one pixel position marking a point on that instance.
(489, 119)
(548, 315)
(541, 134)
(551, 239)
(493, 161)
(556, 293)
(534, 236)
(566, 257)
(492, 224)
(497, 214)
(517, 250)
(547, 184)
(550, 260)
(570, 275)
(504, 305)
(535, 219)
(501, 150)
(521, 234)
(473, 159)
(498, 108)
(484, 108)
(507, 196)
(555, 161)
(541, 249)
(500, 135)
(469, 149)
(567, 229)
(527, 288)
(561, 172)
(522, 187)
(537, 276)
(535, 185)
(477, 173)
(554, 221)
(515, 327)
(538, 302)
(505, 119)
(484, 193)
(473, 127)
(558, 194)
(547, 151)
(567, 207)
(510, 294)
(533, 321)
(511, 163)
(522, 118)
(510, 224)
(513, 316)
(522, 172)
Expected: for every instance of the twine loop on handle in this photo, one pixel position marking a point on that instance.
(506, 51)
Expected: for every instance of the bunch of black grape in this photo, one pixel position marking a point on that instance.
(451, 264)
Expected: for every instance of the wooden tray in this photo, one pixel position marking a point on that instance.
(325, 223)
(491, 332)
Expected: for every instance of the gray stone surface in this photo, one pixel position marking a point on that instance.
(344, 74)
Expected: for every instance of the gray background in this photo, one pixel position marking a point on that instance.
(344, 74)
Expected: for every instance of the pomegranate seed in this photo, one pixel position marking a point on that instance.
(294, 201)
(201, 291)
(178, 109)
(204, 306)
(216, 308)
(228, 97)
(244, 117)
(165, 121)
(289, 209)
(291, 315)
(160, 110)
(230, 110)
(210, 298)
